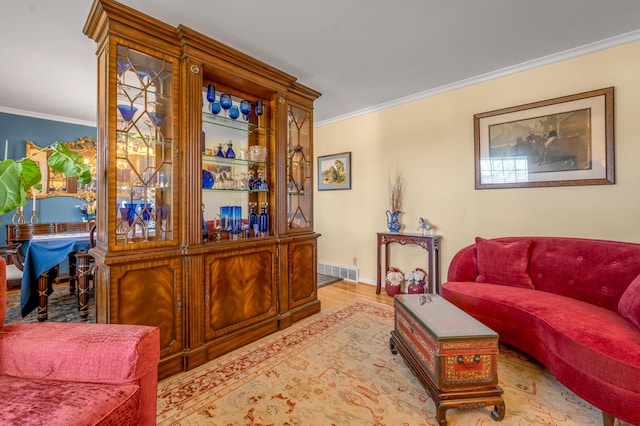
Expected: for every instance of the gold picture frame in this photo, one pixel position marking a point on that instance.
(557, 142)
(57, 185)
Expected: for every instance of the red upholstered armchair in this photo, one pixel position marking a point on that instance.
(77, 374)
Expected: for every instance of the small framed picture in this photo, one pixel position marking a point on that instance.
(334, 171)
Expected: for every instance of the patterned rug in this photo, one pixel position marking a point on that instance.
(62, 307)
(335, 368)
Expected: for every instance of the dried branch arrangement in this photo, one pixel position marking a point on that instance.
(396, 186)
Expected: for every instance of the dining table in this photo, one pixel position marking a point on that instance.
(45, 252)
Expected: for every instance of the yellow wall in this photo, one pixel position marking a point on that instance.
(431, 142)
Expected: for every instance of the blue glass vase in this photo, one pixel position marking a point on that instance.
(207, 179)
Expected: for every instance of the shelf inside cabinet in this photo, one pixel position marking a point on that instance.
(238, 125)
(214, 159)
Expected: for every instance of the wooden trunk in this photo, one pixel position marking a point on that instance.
(454, 356)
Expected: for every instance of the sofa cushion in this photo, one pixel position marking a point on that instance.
(37, 401)
(629, 305)
(547, 325)
(504, 263)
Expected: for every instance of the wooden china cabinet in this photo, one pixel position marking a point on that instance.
(205, 181)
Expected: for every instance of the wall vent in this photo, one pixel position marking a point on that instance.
(345, 272)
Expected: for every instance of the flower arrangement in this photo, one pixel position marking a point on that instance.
(417, 276)
(394, 277)
(416, 280)
(394, 281)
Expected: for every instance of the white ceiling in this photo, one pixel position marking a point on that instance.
(361, 54)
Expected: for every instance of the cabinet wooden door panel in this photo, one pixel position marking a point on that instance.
(241, 289)
(302, 272)
(150, 295)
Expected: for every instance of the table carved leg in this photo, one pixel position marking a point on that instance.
(72, 274)
(43, 296)
(83, 270)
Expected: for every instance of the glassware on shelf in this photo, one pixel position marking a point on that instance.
(207, 179)
(235, 225)
(225, 217)
(205, 232)
(245, 109)
(220, 152)
(225, 102)
(263, 220)
(259, 110)
(251, 180)
(142, 72)
(157, 117)
(121, 68)
(230, 153)
(211, 93)
(253, 216)
(215, 107)
(127, 111)
(258, 153)
(257, 184)
(234, 112)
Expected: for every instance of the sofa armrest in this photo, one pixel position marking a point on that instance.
(98, 353)
(464, 265)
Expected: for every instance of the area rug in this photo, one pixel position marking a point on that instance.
(335, 368)
(62, 307)
(325, 280)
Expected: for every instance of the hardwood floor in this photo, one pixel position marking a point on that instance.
(342, 291)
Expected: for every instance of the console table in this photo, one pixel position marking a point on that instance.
(431, 243)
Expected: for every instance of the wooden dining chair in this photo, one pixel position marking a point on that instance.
(15, 264)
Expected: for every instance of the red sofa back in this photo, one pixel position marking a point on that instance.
(3, 289)
(594, 271)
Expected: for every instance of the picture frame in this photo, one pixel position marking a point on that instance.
(334, 171)
(557, 142)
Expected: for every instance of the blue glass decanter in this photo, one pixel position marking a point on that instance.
(230, 153)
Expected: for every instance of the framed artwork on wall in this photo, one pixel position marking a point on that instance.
(557, 142)
(334, 171)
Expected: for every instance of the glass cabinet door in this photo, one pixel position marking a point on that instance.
(144, 147)
(299, 178)
(237, 169)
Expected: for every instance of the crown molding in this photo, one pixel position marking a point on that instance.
(514, 69)
(47, 116)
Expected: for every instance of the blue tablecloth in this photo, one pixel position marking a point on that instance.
(43, 254)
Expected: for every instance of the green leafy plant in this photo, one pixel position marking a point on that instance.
(19, 176)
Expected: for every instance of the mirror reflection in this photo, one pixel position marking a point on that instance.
(55, 184)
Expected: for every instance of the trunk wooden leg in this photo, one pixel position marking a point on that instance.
(607, 419)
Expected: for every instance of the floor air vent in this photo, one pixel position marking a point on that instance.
(345, 272)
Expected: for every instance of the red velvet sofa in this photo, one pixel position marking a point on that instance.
(573, 304)
(76, 373)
